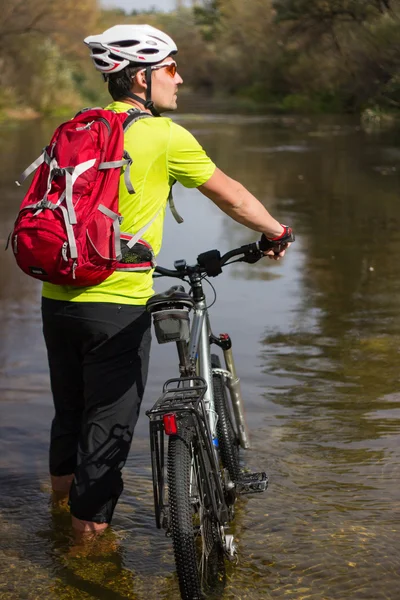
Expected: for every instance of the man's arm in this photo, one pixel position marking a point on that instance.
(237, 202)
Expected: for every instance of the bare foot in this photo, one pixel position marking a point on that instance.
(89, 543)
(82, 526)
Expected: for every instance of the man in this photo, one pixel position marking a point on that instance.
(98, 338)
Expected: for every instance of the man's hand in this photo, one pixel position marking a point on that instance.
(273, 256)
(275, 248)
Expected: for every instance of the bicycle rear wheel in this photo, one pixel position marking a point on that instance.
(228, 439)
(198, 550)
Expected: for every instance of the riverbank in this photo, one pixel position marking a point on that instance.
(190, 102)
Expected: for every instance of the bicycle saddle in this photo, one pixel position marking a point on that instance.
(175, 295)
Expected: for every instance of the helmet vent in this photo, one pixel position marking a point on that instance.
(100, 63)
(158, 39)
(124, 43)
(149, 51)
(114, 57)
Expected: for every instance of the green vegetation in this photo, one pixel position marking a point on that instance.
(285, 55)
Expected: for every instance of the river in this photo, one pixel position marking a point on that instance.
(316, 339)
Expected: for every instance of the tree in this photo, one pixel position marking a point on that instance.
(329, 10)
(40, 44)
(208, 18)
(65, 20)
(320, 17)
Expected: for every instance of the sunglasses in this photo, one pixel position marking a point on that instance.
(171, 68)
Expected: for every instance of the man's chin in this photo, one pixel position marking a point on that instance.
(170, 108)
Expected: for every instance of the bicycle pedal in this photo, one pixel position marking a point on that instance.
(252, 483)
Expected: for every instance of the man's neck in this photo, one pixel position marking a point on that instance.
(135, 104)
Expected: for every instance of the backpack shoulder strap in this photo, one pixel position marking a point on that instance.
(86, 110)
(134, 114)
(172, 207)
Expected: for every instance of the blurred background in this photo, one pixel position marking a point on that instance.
(334, 56)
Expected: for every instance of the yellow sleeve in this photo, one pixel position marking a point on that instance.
(187, 161)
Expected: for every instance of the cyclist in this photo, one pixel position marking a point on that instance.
(98, 338)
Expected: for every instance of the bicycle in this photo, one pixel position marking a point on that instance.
(196, 488)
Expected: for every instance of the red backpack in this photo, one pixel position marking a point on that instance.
(67, 231)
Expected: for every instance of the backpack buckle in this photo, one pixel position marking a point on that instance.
(45, 203)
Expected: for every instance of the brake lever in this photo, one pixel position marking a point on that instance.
(252, 253)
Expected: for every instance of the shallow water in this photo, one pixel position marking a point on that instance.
(316, 338)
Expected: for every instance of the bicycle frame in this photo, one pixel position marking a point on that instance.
(191, 399)
(198, 350)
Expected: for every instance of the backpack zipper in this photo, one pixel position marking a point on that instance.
(87, 126)
(106, 123)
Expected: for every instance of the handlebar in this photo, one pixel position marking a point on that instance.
(211, 263)
(162, 272)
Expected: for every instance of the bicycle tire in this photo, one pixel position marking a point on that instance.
(228, 439)
(199, 555)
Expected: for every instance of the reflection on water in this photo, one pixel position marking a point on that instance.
(319, 345)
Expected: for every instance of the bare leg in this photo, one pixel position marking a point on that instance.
(60, 484)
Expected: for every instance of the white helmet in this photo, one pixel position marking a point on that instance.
(121, 45)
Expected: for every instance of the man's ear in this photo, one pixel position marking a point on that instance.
(140, 79)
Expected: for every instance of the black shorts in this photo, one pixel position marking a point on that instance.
(98, 357)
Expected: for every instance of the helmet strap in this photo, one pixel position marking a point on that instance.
(148, 103)
(135, 97)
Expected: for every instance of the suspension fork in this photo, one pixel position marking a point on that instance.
(233, 383)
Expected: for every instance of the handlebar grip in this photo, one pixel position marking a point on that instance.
(277, 244)
(211, 262)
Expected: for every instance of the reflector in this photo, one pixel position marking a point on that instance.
(170, 424)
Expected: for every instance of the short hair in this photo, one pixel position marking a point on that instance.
(121, 82)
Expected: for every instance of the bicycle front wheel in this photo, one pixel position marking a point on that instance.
(198, 550)
(228, 439)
